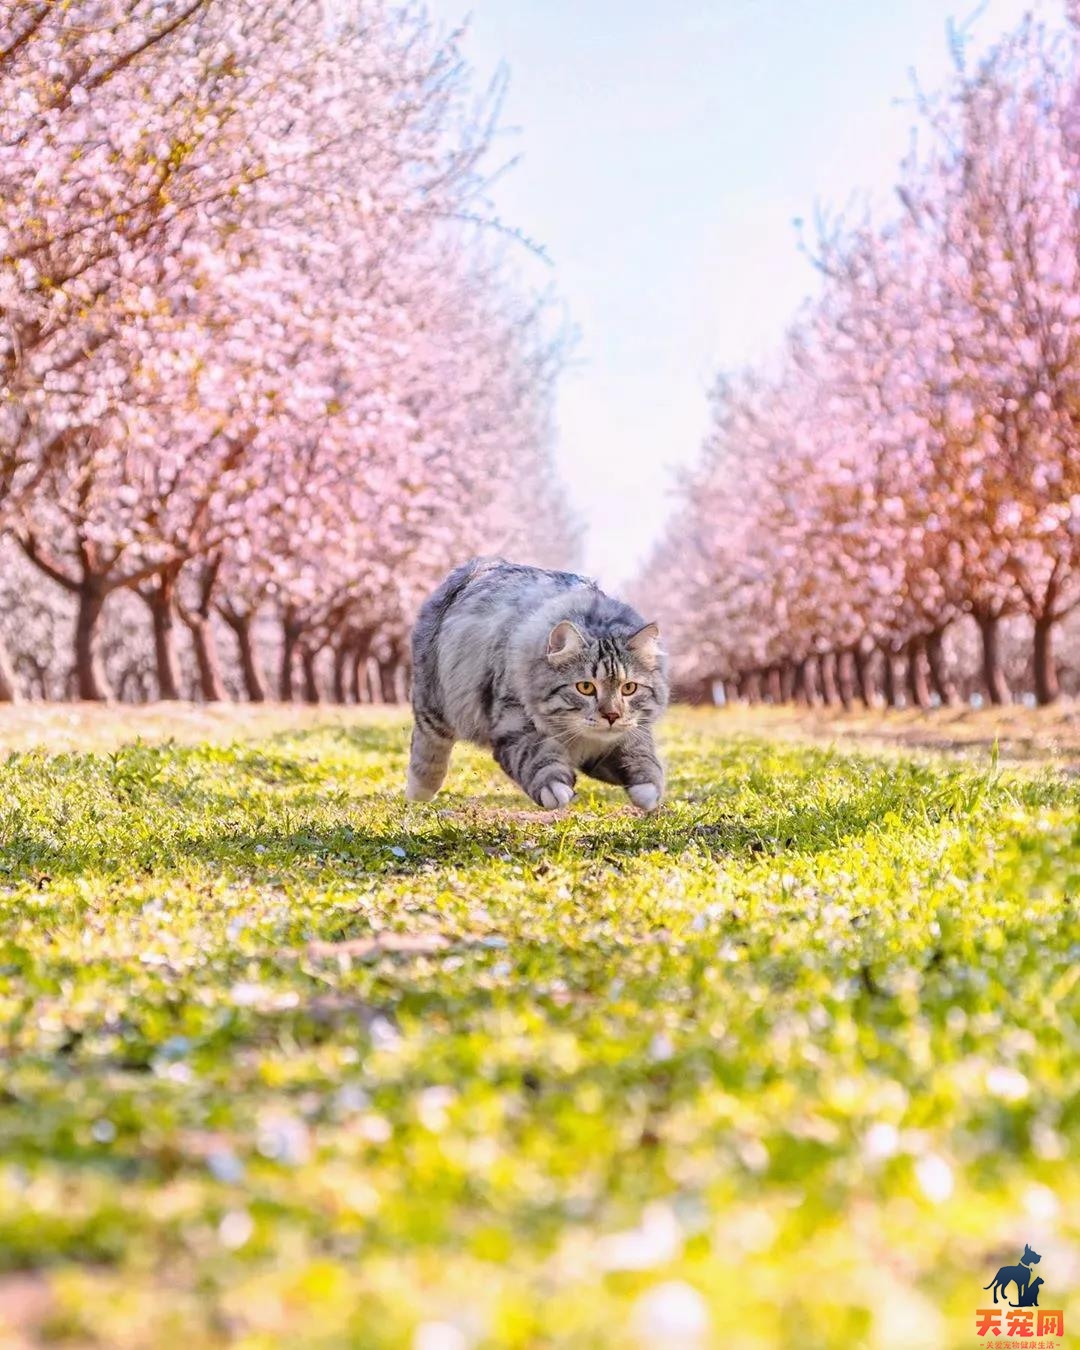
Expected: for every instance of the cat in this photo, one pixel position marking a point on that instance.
(545, 670)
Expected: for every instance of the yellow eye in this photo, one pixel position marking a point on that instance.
(585, 687)
(629, 687)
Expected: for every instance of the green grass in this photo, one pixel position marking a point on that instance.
(285, 1062)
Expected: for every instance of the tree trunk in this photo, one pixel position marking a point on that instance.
(254, 681)
(371, 680)
(358, 654)
(939, 671)
(827, 666)
(9, 688)
(798, 687)
(997, 687)
(340, 684)
(696, 692)
(361, 683)
(845, 679)
(402, 682)
(891, 686)
(90, 680)
(864, 677)
(918, 689)
(386, 682)
(290, 635)
(788, 677)
(161, 598)
(211, 685)
(358, 676)
(308, 657)
(773, 691)
(203, 637)
(1047, 689)
(807, 687)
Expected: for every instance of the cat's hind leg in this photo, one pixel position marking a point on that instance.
(429, 759)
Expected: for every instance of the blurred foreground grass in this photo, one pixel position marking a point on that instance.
(285, 1063)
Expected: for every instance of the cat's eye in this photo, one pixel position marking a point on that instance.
(629, 687)
(585, 687)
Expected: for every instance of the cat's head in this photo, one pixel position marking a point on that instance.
(600, 686)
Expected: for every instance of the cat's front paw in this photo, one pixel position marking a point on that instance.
(554, 796)
(645, 796)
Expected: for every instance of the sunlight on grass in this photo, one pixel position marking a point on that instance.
(287, 1062)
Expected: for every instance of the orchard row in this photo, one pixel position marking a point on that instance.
(264, 365)
(913, 457)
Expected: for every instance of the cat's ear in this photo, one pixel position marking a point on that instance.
(645, 644)
(564, 642)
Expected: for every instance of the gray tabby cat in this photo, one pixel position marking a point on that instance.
(546, 670)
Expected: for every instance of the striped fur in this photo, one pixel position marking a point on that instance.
(498, 652)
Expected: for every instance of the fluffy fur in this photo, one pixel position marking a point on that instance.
(499, 653)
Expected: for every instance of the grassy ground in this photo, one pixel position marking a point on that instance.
(1018, 732)
(284, 1062)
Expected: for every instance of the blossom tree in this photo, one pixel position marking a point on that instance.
(291, 372)
(914, 458)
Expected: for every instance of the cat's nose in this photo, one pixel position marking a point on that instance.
(612, 717)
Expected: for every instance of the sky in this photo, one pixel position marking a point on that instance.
(665, 149)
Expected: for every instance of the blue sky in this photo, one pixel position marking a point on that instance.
(665, 150)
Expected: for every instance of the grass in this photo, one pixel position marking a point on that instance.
(1019, 732)
(795, 1062)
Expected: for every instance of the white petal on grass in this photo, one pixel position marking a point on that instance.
(432, 1105)
(753, 1154)
(656, 1241)
(351, 1097)
(661, 1048)
(246, 994)
(935, 1178)
(439, 1336)
(384, 1035)
(285, 1139)
(1008, 1084)
(1041, 1203)
(225, 1166)
(235, 1229)
(1046, 1142)
(880, 1141)
(904, 1319)
(670, 1316)
(375, 1129)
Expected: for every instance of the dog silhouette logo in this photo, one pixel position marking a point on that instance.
(1021, 1274)
(1029, 1320)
